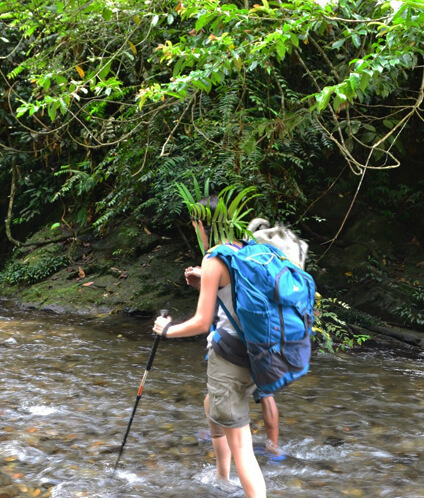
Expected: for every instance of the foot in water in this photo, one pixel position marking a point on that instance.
(271, 451)
(273, 448)
(231, 487)
(204, 435)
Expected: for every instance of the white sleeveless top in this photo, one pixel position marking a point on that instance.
(223, 321)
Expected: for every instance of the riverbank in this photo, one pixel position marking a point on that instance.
(129, 272)
(132, 271)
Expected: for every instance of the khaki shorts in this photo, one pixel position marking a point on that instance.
(230, 388)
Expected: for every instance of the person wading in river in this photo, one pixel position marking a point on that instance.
(269, 408)
(229, 386)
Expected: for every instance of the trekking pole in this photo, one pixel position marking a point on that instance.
(163, 313)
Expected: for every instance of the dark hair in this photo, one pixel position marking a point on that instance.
(210, 202)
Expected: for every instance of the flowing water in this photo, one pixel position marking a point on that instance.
(352, 427)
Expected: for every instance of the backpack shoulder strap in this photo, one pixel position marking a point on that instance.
(226, 252)
(231, 318)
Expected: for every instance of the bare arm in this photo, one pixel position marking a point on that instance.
(214, 274)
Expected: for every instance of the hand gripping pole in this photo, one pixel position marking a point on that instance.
(156, 341)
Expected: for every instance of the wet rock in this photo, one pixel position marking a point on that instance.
(407, 459)
(334, 441)
(7, 343)
(5, 480)
(189, 441)
(357, 493)
(9, 491)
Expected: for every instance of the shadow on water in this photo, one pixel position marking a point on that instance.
(353, 427)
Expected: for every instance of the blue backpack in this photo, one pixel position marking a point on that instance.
(274, 303)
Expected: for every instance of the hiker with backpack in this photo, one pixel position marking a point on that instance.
(266, 400)
(229, 385)
(265, 318)
(295, 250)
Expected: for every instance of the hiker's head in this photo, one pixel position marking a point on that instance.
(203, 213)
(206, 212)
(218, 218)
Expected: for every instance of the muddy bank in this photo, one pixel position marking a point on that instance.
(129, 272)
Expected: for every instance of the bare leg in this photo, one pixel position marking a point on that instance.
(271, 421)
(249, 472)
(220, 446)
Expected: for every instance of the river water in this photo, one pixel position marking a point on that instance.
(352, 427)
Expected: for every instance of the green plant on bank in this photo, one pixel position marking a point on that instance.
(228, 222)
(356, 317)
(374, 270)
(80, 182)
(412, 313)
(330, 330)
(18, 273)
(395, 201)
(369, 270)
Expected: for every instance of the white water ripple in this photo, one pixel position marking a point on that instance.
(39, 410)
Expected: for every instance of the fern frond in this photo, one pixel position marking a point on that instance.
(227, 222)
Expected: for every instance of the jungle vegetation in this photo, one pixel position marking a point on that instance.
(107, 105)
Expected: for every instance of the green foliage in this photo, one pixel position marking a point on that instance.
(331, 330)
(18, 273)
(228, 221)
(226, 92)
(78, 187)
(350, 53)
(37, 191)
(411, 313)
(395, 201)
(106, 106)
(80, 180)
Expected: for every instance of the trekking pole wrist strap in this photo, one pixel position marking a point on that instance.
(165, 330)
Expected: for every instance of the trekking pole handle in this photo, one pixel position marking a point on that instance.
(163, 313)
